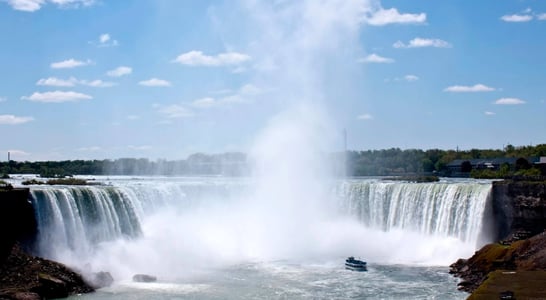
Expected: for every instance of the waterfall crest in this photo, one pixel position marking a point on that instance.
(439, 209)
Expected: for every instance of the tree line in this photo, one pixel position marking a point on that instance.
(386, 162)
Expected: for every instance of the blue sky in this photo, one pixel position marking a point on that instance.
(85, 79)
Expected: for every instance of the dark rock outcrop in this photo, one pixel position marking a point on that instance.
(144, 278)
(17, 220)
(101, 279)
(519, 209)
(23, 276)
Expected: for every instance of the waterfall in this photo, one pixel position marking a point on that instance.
(187, 220)
(439, 209)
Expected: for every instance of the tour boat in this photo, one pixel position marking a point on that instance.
(354, 264)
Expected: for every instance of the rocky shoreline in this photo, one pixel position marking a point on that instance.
(23, 276)
(505, 268)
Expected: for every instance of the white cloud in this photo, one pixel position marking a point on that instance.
(383, 17)
(97, 83)
(120, 71)
(421, 42)
(374, 58)
(155, 82)
(175, 111)
(56, 97)
(489, 113)
(469, 89)
(411, 78)
(516, 18)
(133, 117)
(34, 5)
(53, 81)
(541, 17)
(509, 101)
(26, 5)
(73, 3)
(69, 63)
(14, 120)
(105, 40)
(2, 99)
(204, 102)
(197, 58)
(365, 117)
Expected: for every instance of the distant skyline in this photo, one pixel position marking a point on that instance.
(96, 79)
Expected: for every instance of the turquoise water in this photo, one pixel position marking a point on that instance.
(282, 280)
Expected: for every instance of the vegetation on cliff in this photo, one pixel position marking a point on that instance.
(523, 255)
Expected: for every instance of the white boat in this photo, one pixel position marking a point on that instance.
(354, 264)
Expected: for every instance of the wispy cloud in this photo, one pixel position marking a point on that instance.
(541, 17)
(469, 89)
(14, 120)
(53, 81)
(97, 83)
(489, 113)
(411, 78)
(382, 17)
(365, 117)
(244, 94)
(120, 71)
(70, 63)
(155, 82)
(174, 111)
(197, 58)
(34, 5)
(509, 101)
(374, 58)
(73, 3)
(57, 97)
(133, 117)
(516, 18)
(421, 42)
(3, 99)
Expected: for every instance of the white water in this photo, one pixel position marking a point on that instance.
(176, 228)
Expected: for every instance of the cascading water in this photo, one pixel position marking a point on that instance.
(184, 222)
(436, 209)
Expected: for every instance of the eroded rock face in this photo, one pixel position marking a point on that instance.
(519, 208)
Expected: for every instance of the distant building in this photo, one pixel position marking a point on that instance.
(458, 166)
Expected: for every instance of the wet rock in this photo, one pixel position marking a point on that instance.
(51, 287)
(144, 278)
(102, 279)
(25, 296)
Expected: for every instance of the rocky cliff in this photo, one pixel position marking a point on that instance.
(23, 276)
(519, 209)
(17, 220)
(518, 222)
